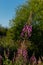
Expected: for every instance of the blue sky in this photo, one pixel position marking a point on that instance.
(7, 10)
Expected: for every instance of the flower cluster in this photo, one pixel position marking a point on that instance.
(33, 59)
(22, 52)
(27, 29)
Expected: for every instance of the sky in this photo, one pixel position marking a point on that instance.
(7, 10)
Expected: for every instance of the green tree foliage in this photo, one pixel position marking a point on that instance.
(17, 23)
(22, 15)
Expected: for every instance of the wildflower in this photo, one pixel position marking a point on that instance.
(33, 60)
(24, 53)
(27, 29)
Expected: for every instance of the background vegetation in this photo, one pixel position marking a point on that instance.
(9, 37)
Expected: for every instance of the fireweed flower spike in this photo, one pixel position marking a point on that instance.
(22, 54)
(26, 29)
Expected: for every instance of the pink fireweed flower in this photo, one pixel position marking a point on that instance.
(23, 29)
(24, 53)
(19, 51)
(22, 34)
(30, 29)
(27, 29)
(32, 59)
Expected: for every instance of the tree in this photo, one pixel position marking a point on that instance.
(22, 15)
